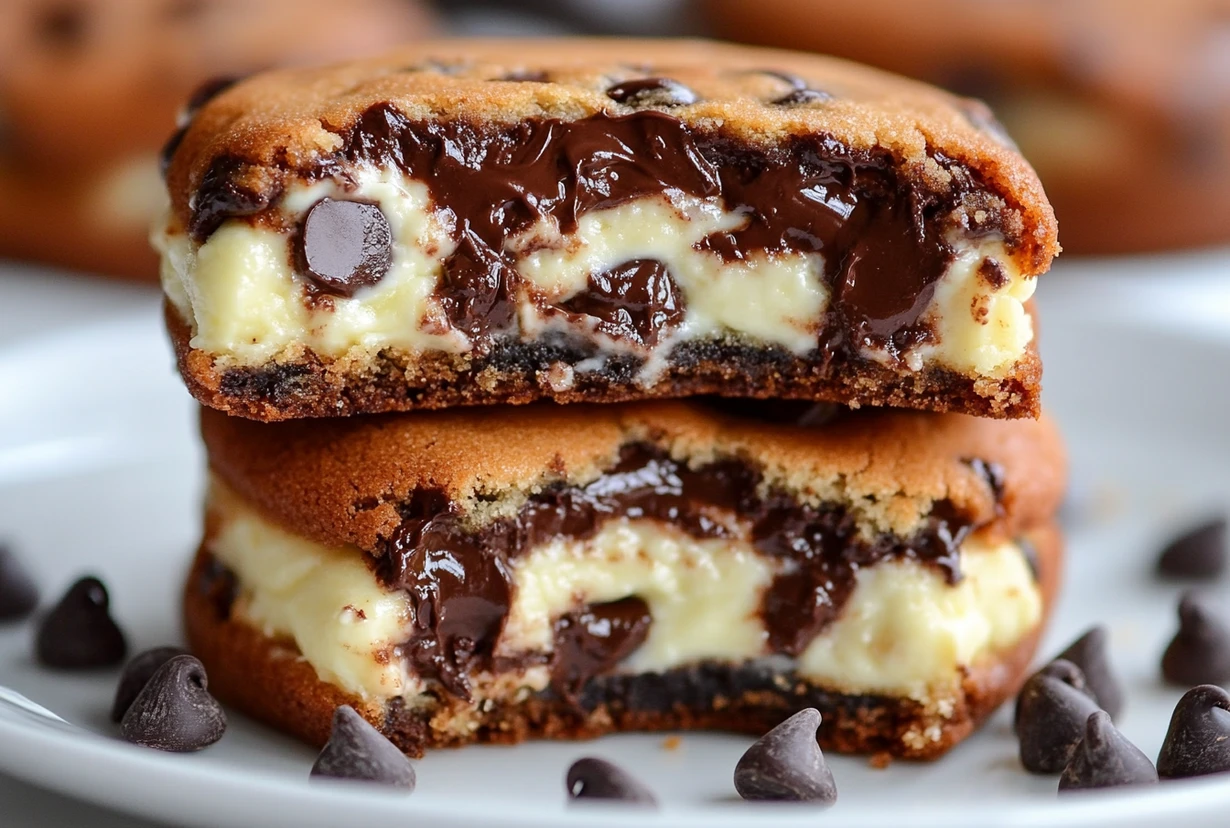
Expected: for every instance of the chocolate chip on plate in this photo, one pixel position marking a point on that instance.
(18, 592)
(356, 751)
(1105, 759)
(1198, 741)
(79, 631)
(1089, 653)
(174, 711)
(1062, 669)
(1053, 709)
(137, 673)
(1199, 653)
(345, 245)
(1198, 553)
(787, 764)
(592, 778)
(662, 92)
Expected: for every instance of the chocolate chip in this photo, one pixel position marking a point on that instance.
(802, 96)
(18, 592)
(1198, 553)
(1199, 653)
(992, 473)
(174, 711)
(79, 631)
(652, 92)
(1104, 759)
(637, 300)
(1052, 711)
(526, 76)
(356, 751)
(592, 778)
(168, 150)
(787, 764)
(345, 245)
(1089, 653)
(137, 674)
(1198, 740)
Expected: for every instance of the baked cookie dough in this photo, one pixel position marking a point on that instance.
(1123, 106)
(498, 574)
(89, 91)
(473, 222)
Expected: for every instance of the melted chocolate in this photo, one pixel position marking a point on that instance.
(638, 301)
(591, 641)
(882, 238)
(461, 585)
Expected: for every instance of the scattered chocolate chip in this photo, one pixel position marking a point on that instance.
(356, 751)
(592, 778)
(787, 764)
(1199, 553)
(79, 631)
(1198, 740)
(1104, 759)
(1059, 668)
(174, 711)
(1089, 653)
(1053, 709)
(652, 92)
(345, 245)
(1199, 653)
(802, 96)
(18, 592)
(137, 673)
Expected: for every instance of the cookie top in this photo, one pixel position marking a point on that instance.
(341, 481)
(82, 81)
(250, 141)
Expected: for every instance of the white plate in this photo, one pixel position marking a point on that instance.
(99, 472)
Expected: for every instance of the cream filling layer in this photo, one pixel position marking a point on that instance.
(904, 630)
(246, 305)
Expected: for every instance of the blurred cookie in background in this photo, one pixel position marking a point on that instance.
(89, 91)
(1122, 106)
(513, 18)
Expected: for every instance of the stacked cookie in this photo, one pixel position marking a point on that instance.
(772, 290)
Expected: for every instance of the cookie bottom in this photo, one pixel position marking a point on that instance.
(400, 381)
(267, 679)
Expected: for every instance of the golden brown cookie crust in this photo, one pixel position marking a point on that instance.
(293, 118)
(339, 481)
(267, 680)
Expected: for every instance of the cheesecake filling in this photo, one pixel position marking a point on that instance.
(620, 237)
(634, 595)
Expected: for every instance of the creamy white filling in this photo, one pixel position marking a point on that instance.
(904, 630)
(246, 305)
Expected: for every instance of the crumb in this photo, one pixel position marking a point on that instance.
(881, 760)
(671, 743)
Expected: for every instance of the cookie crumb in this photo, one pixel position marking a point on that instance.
(672, 743)
(880, 760)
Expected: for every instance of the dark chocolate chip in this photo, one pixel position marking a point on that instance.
(1061, 669)
(1052, 711)
(786, 764)
(1089, 653)
(1104, 759)
(1198, 553)
(1199, 653)
(1198, 740)
(168, 150)
(356, 751)
(592, 778)
(345, 245)
(174, 711)
(79, 632)
(991, 472)
(526, 76)
(18, 591)
(652, 92)
(137, 673)
(802, 96)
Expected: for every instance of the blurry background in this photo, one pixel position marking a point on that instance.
(1122, 105)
